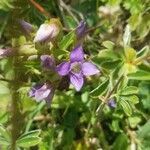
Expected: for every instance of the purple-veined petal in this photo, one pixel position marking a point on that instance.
(34, 89)
(89, 69)
(63, 68)
(77, 81)
(77, 54)
(42, 93)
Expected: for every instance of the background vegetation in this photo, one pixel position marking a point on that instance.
(117, 42)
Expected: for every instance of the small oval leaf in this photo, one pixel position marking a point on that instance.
(28, 141)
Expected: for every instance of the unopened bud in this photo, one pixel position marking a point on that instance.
(27, 27)
(48, 31)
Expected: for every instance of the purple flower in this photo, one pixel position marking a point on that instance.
(77, 68)
(42, 92)
(48, 62)
(27, 27)
(81, 29)
(112, 103)
(6, 52)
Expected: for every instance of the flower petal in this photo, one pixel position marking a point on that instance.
(49, 98)
(77, 54)
(42, 93)
(89, 69)
(77, 81)
(63, 68)
(34, 89)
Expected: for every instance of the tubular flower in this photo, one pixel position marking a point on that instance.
(81, 29)
(47, 62)
(77, 68)
(48, 31)
(27, 27)
(42, 92)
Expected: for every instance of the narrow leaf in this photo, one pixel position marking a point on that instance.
(129, 90)
(100, 89)
(127, 36)
(34, 133)
(139, 75)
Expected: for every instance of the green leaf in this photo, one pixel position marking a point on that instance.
(127, 36)
(134, 21)
(113, 65)
(143, 52)
(130, 54)
(70, 22)
(108, 44)
(107, 54)
(121, 142)
(129, 90)
(100, 89)
(28, 141)
(144, 131)
(4, 133)
(139, 75)
(143, 136)
(115, 126)
(3, 141)
(126, 106)
(33, 133)
(6, 5)
(67, 40)
(4, 88)
(134, 121)
(133, 99)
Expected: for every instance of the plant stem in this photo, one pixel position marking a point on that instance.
(40, 8)
(108, 95)
(15, 84)
(15, 110)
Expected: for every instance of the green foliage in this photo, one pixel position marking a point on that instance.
(29, 139)
(117, 41)
(6, 5)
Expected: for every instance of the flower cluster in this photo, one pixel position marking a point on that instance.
(75, 69)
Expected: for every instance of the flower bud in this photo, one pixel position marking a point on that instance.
(48, 31)
(42, 92)
(27, 27)
(81, 29)
(112, 103)
(48, 62)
